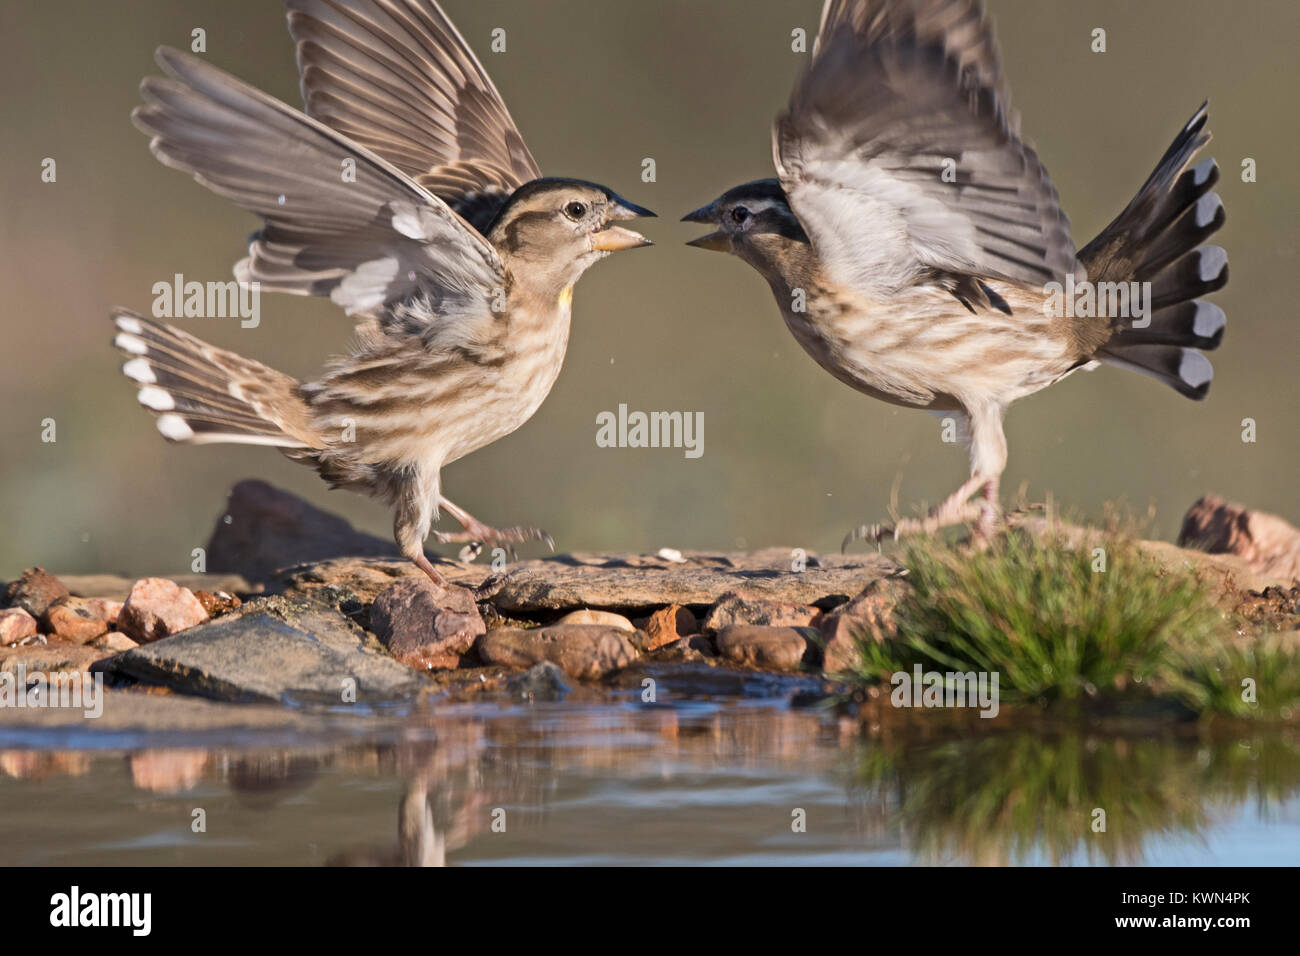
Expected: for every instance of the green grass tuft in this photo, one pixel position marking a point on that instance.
(1058, 630)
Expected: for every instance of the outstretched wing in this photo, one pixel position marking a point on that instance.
(396, 77)
(900, 156)
(339, 220)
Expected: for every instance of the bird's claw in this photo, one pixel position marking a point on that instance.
(869, 532)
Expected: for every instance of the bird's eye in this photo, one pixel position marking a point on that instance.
(575, 210)
(740, 214)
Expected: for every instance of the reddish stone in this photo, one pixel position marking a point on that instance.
(869, 616)
(580, 650)
(1266, 542)
(425, 626)
(35, 591)
(781, 648)
(218, 603)
(669, 624)
(158, 608)
(75, 619)
(16, 625)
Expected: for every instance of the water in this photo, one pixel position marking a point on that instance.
(615, 781)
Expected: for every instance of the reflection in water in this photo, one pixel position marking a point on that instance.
(1017, 797)
(626, 783)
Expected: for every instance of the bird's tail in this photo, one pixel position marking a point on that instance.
(1158, 239)
(202, 394)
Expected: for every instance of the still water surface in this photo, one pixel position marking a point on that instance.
(707, 781)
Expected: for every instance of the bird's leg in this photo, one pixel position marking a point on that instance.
(476, 530)
(424, 564)
(990, 516)
(957, 508)
(988, 458)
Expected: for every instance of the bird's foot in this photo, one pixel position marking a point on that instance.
(478, 533)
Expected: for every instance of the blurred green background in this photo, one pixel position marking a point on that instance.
(790, 456)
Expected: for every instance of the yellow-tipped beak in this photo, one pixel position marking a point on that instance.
(616, 238)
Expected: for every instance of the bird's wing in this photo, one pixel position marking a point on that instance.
(894, 91)
(396, 77)
(339, 220)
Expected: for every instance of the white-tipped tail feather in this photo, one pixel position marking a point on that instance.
(202, 394)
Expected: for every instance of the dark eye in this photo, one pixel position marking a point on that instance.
(575, 210)
(739, 214)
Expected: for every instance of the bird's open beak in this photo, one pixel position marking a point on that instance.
(616, 238)
(716, 241)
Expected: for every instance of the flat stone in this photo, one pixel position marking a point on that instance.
(583, 651)
(264, 529)
(35, 591)
(50, 657)
(739, 607)
(76, 619)
(15, 625)
(158, 608)
(273, 650)
(425, 626)
(645, 582)
(779, 648)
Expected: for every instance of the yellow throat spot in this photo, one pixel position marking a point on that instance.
(566, 297)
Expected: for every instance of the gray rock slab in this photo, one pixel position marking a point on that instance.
(290, 652)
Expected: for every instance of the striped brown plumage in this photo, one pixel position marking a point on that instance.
(911, 237)
(455, 256)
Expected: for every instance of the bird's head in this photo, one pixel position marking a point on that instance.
(558, 228)
(754, 221)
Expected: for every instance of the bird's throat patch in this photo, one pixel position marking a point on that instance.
(566, 297)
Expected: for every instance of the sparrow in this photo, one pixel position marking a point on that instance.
(919, 253)
(408, 197)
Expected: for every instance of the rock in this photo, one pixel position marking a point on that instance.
(1267, 543)
(115, 587)
(217, 603)
(158, 608)
(265, 529)
(583, 651)
(544, 681)
(15, 625)
(869, 615)
(75, 619)
(35, 591)
(364, 578)
(114, 641)
(600, 618)
(273, 650)
(644, 583)
(669, 624)
(50, 657)
(106, 608)
(695, 648)
(779, 648)
(425, 626)
(738, 607)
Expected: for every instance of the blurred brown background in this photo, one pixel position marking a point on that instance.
(790, 456)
